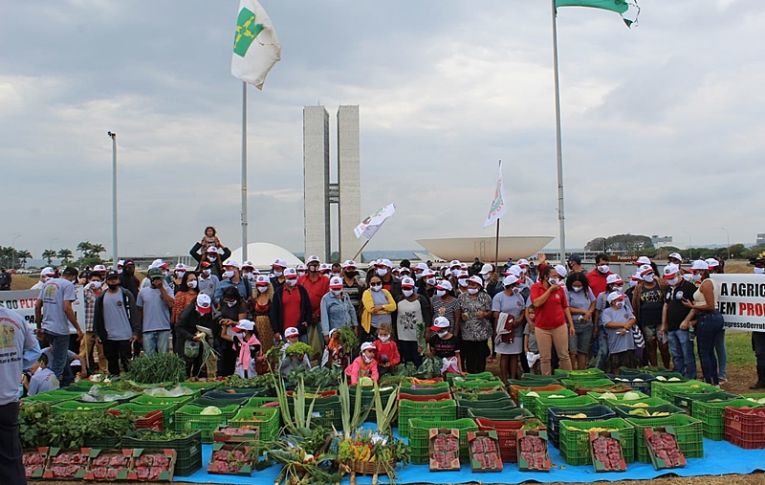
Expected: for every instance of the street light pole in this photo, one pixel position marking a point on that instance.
(727, 233)
(113, 136)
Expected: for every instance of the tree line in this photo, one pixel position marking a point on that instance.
(90, 254)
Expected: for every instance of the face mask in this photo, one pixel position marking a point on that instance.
(351, 274)
(206, 273)
(96, 284)
(382, 272)
(455, 272)
(113, 286)
(674, 281)
(192, 284)
(119, 271)
(230, 304)
(262, 289)
(407, 293)
(577, 288)
(473, 291)
(603, 268)
(430, 281)
(376, 287)
(368, 358)
(228, 274)
(384, 338)
(440, 293)
(553, 281)
(619, 305)
(278, 273)
(648, 278)
(759, 270)
(211, 258)
(688, 277)
(462, 282)
(633, 283)
(443, 334)
(696, 278)
(313, 268)
(165, 273)
(337, 292)
(291, 282)
(180, 274)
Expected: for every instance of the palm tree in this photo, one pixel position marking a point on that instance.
(65, 255)
(96, 249)
(48, 255)
(23, 255)
(86, 248)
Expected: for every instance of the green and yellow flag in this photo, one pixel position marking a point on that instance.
(628, 9)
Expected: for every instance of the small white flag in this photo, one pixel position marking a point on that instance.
(371, 224)
(498, 207)
(256, 47)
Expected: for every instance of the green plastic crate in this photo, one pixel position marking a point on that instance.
(258, 402)
(188, 418)
(326, 410)
(753, 395)
(478, 385)
(81, 407)
(668, 390)
(54, 397)
(575, 439)
(435, 410)
(619, 397)
(530, 402)
(533, 382)
(267, 420)
(425, 389)
(176, 402)
(591, 383)
(689, 432)
(202, 386)
(545, 403)
(686, 400)
(188, 450)
(480, 396)
(624, 411)
(711, 414)
(513, 414)
(591, 373)
(205, 401)
(463, 405)
(419, 430)
(168, 412)
(451, 377)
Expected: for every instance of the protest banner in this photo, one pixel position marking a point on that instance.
(742, 300)
(23, 302)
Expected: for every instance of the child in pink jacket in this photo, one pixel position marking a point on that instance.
(364, 365)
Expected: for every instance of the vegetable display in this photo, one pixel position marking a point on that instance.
(606, 453)
(532, 451)
(663, 449)
(163, 367)
(444, 449)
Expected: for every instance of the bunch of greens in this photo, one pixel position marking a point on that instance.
(316, 378)
(33, 424)
(348, 339)
(298, 349)
(165, 367)
(147, 435)
(70, 430)
(430, 367)
(262, 381)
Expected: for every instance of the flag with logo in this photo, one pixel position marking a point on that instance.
(498, 207)
(256, 47)
(369, 226)
(628, 9)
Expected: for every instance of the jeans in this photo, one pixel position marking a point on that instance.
(601, 357)
(156, 342)
(722, 357)
(681, 348)
(59, 346)
(117, 352)
(709, 327)
(11, 467)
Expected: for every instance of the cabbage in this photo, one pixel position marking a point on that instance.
(211, 411)
(532, 394)
(631, 396)
(674, 379)
(608, 395)
(366, 382)
(637, 379)
(661, 378)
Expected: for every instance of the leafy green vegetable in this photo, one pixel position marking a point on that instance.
(318, 377)
(348, 338)
(299, 349)
(157, 368)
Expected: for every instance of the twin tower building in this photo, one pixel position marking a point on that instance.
(320, 193)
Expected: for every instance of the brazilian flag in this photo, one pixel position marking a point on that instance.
(628, 9)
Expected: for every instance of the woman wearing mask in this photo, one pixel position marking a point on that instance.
(553, 324)
(260, 307)
(351, 284)
(445, 305)
(581, 304)
(213, 255)
(198, 313)
(231, 309)
(708, 319)
(475, 325)
(509, 309)
(413, 315)
(648, 304)
(377, 305)
(185, 293)
(336, 309)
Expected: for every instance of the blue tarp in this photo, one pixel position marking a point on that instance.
(720, 458)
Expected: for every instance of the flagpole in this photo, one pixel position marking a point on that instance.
(244, 171)
(559, 151)
(496, 250)
(360, 249)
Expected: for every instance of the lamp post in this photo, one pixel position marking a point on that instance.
(13, 248)
(113, 136)
(727, 233)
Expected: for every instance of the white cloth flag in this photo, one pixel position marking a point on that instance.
(498, 207)
(371, 224)
(256, 47)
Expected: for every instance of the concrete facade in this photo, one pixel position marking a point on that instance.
(349, 179)
(316, 181)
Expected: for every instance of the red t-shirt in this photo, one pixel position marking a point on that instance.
(597, 281)
(316, 290)
(550, 315)
(387, 352)
(291, 306)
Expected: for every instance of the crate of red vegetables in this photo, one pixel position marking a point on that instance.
(663, 448)
(532, 450)
(109, 465)
(232, 459)
(507, 434)
(606, 451)
(34, 462)
(484, 451)
(444, 449)
(153, 465)
(66, 464)
(745, 427)
(225, 434)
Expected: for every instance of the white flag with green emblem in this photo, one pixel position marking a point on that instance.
(498, 207)
(256, 47)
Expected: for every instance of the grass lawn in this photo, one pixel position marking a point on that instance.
(738, 346)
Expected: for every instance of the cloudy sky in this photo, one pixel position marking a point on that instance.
(663, 128)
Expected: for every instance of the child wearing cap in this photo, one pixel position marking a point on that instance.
(445, 345)
(617, 320)
(248, 349)
(364, 365)
(387, 350)
(530, 341)
(292, 362)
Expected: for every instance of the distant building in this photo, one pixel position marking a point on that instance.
(661, 241)
(760, 239)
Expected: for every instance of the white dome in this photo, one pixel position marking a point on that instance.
(263, 254)
(467, 248)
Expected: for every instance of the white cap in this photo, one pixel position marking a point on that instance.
(312, 259)
(99, 268)
(428, 273)
(670, 271)
(290, 272)
(522, 262)
(675, 256)
(515, 270)
(325, 267)
(233, 263)
(440, 322)
(454, 263)
(291, 332)
(404, 269)
(336, 282)
(262, 280)
(279, 262)
(645, 269)
(476, 279)
(699, 265)
(421, 266)
(711, 262)
(510, 280)
(615, 295)
(212, 249)
(203, 300)
(385, 262)
(637, 276)
(47, 271)
(348, 263)
(444, 285)
(121, 262)
(156, 263)
(248, 264)
(407, 282)
(368, 346)
(486, 269)
(245, 324)
(614, 278)
(301, 267)
(180, 267)
(561, 270)
(643, 260)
